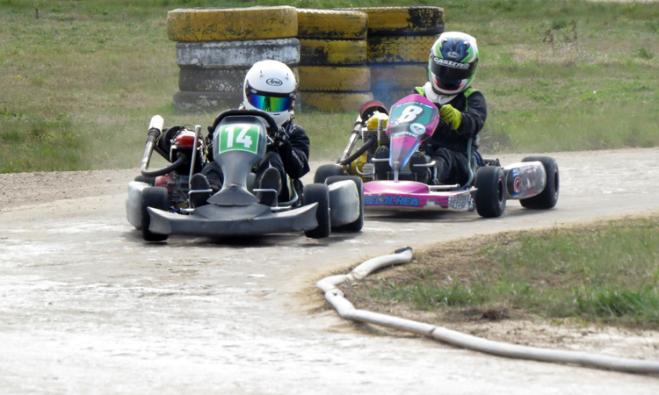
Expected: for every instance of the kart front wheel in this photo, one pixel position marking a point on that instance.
(490, 196)
(549, 196)
(358, 224)
(318, 193)
(326, 171)
(155, 197)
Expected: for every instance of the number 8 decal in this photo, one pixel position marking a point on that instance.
(409, 114)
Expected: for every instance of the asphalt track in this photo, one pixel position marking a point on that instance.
(87, 307)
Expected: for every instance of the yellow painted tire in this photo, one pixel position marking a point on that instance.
(335, 79)
(333, 102)
(398, 76)
(392, 96)
(332, 52)
(398, 21)
(331, 24)
(399, 49)
(225, 24)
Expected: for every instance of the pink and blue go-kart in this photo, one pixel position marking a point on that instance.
(390, 184)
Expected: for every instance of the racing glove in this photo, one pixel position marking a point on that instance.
(451, 115)
(282, 140)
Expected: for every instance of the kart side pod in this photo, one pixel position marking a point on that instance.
(344, 203)
(134, 203)
(524, 179)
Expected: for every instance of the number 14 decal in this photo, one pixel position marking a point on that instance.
(238, 137)
(242, 139)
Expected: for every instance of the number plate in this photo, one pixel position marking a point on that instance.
(411, 113)
(238, 137)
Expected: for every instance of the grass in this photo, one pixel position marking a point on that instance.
(603, 273)
(79, 84)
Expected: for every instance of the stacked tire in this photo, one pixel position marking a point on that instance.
(399, 42)
(216, 47)
(334, 75)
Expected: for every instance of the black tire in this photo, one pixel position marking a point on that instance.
(549, 196)
(155, 197)
(326, 171)
(318, 193)
(490, 192)
(359, 222)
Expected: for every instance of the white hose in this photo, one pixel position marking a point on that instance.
(346, 310)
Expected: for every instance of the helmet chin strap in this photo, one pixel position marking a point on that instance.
(435, 97)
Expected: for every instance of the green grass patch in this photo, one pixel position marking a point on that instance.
(603, 273)
(559, 75)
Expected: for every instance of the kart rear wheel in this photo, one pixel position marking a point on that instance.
(549, 196)
(326, 171)
(490, 193)
(359, 222)
(319, 193)
(155, 197)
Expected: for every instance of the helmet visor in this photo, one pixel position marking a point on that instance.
(449, 74)
(268, 102)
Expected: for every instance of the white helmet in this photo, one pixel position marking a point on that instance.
(270, 86)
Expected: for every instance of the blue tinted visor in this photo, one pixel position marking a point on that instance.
(268, 102)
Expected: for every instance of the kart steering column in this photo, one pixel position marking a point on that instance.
(365, 147)
(356, 132)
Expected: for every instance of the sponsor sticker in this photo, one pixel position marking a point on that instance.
(274, 82)
(402, 201)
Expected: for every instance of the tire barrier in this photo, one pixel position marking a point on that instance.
(210, 80)
(404, 21)
(214, 24)
(187, 101)
(332, 52)
(335, 79)
(333, 71)
(399, 49)
(398, 76)
(399, 42)
(389, 97)
(214, 79)
(391, 82)
(333, 101)
(238, 54)
(331, 24)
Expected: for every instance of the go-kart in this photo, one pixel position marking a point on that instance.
(166, 201)
(392, 182)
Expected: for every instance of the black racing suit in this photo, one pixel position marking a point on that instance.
(447, 146)
(290, 156)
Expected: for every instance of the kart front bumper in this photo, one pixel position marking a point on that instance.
(214, 221)
(413, 196)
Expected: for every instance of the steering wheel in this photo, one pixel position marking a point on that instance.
(272, 125)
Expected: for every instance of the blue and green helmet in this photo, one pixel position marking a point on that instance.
(452, 63)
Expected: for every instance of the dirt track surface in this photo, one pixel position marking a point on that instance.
(86, 306)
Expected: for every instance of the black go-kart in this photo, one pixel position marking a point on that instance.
(166, 202)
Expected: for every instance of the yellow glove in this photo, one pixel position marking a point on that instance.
(451, 115)
(377, 120)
